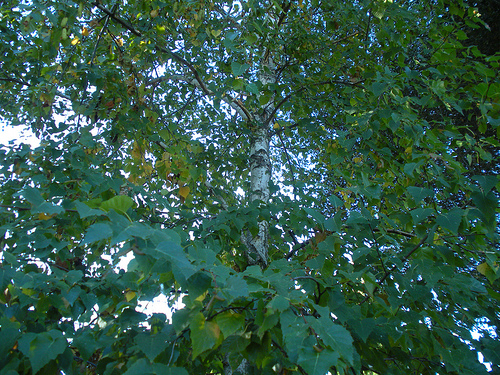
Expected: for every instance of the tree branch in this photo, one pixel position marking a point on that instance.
(236, 104)
(197, 81)
(300, 89)
(393, 268)
(24, 83)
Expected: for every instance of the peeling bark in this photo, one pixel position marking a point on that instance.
(260, 174)
(260, 169)
(242, 369)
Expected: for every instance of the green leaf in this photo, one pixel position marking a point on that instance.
(43, 347)
(317, 216)
(420, 214)
(174, 253)
(48, 208)
(314, 362)
(204, 334)
(140, 367)
(198, 284)
(98, 232)
(252, 87)
(336, 201)
(486, 182)
(419, 193)
(8, 338)
(161, 369)
(487, 205)
(236, 287)
(451, 220)
(270, 320)
(86, 344)
(251, 38)
(294, 332)
(238, 69)
(378, 88)
(230, 322)
(119, 203)
(33, 196)
(335, 336)
(279, 303)
(151, 345)
(85, 211)
(363, 328)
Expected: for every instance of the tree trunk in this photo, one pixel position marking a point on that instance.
(260, 168)
(260, 174)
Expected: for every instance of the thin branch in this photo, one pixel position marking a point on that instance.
(397, 231)
(236, 104)
(19, 208)
(198, 81)
(285, 354)
(292, 252)
(286, 8)
(24, 83)
(368, 25)
(393, 268)
(286, 98)
(288, 160)
(222, 201)
(377, 247)
(318, 285)
(99, 37)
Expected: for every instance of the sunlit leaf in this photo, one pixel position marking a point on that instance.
(119, 203)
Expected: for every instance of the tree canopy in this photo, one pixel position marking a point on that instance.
(316, 181)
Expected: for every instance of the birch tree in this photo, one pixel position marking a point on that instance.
(311, 185)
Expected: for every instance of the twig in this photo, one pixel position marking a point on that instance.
(198, 81)
(300, 89)
(391, 270)
(288, 160)
(222, 201)
(24, 83)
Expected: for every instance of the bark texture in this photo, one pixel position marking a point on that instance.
(260, 168)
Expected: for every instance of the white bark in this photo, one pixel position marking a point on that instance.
(242, 369)
(260, 168)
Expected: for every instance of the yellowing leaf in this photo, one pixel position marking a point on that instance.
(85, 31)
(483, 268)
(201, 297)
(136, 152)
(216, 33)
(148, 169)
(276, 125)
(184, 191)
(130, 295)
(75, 41)
(43, 216)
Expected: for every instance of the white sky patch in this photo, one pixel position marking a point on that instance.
(17, 134)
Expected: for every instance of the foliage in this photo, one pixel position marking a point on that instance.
(316, 181)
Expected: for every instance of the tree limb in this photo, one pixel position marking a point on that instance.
(236, 104)
(197, 81)
(393, 268)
